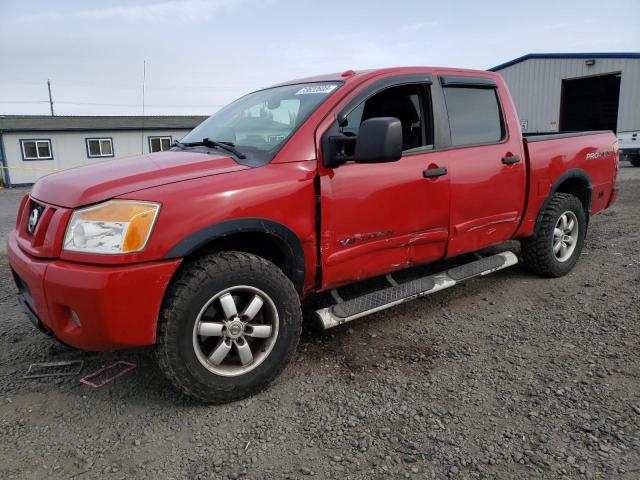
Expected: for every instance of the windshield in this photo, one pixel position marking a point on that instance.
(259, 123)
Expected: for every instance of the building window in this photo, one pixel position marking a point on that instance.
(159, 144)
(36, 149)
(99, 147)
(474, 116)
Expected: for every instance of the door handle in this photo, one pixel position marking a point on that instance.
(434, 172)
(510, 159)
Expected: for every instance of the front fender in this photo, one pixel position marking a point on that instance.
(286, 238)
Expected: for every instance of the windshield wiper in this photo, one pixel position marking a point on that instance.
(207, 142)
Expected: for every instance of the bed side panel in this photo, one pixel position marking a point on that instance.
(592, 156)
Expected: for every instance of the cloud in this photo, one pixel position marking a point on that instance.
(187, 10)
(569, 24)
(414, 27)
(350, 51)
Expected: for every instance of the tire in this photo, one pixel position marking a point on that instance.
(197, 302)
(538, 251)
(635, 160)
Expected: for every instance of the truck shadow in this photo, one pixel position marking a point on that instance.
(383, 340)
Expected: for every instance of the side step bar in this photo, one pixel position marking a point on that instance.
(358, 307)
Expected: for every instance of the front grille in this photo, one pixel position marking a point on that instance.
(33, 220)
(41, 239)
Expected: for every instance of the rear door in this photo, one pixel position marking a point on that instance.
(377, 218)
(486, 164)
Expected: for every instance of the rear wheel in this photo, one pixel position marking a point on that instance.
(635, 160)
(230, 323)
(555, 248)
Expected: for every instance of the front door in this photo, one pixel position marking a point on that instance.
(376, 218)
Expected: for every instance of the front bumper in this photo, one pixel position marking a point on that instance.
(91, 307)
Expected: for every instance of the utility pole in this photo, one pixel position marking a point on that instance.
(144, 78)
(50, 99)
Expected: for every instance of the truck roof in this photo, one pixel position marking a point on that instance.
(349, 76)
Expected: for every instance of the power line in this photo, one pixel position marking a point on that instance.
(24, 101)
(159, 86)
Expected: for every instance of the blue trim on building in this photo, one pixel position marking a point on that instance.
(43, 159)
(530, 56)
(3, 162)
(86, 143)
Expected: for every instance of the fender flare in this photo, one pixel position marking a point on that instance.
(569, 174)
(285, 237)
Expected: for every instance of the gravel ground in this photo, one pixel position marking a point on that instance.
(9, 203)
(508, 376)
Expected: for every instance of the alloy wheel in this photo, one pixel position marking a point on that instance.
(235, 330)
(565, 236)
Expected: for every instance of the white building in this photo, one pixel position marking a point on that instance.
(32, 146)
(575, 91)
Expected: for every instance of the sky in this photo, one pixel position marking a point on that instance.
(202, 54)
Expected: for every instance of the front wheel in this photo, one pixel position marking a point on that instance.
(229, 324)
(554, 250)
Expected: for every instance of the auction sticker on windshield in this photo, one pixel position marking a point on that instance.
(316, 89)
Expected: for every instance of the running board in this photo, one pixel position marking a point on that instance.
(358, 307)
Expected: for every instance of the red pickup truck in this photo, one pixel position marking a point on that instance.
(206, 250)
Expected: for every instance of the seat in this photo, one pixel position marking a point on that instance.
(397, 103)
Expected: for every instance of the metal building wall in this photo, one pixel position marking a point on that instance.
(536, 85)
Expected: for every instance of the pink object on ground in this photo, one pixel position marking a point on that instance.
(87, 379)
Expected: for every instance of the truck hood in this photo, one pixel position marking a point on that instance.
(95, 183)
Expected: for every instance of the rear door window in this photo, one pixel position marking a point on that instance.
(474, 116)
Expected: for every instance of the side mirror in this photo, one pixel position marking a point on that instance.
(379, 140)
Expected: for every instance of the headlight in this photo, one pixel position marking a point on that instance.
(116, 226)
